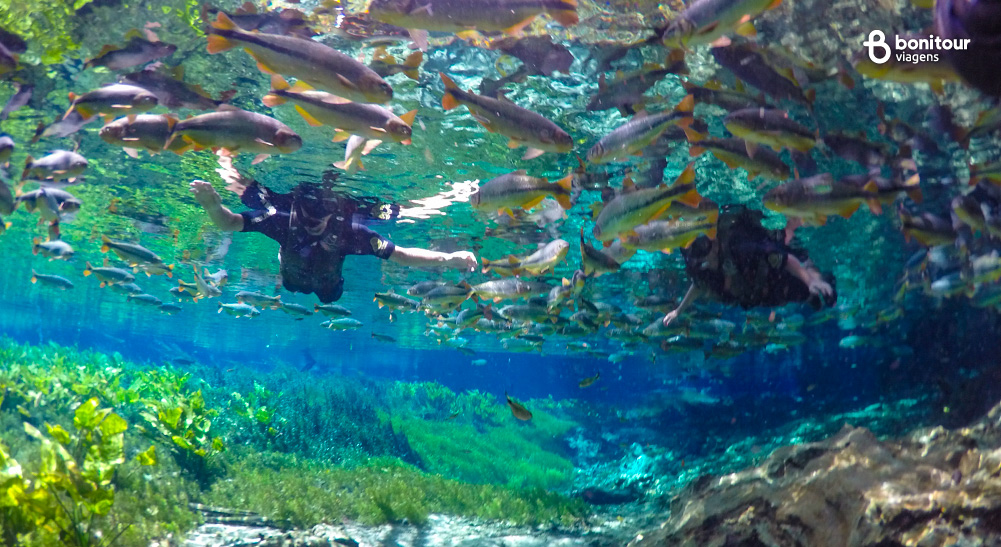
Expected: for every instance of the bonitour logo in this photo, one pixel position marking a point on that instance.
(922, 49)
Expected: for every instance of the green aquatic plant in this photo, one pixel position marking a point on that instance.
(258, 412)
(304, 492)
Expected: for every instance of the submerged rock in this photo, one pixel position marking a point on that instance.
(933, 487)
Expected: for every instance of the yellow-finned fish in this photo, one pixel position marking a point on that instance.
(633, 208)
(517, 409)
(517, 189)
(149, 132)
(308, 60)
(385, 65)
(705, 21)
(734, 153)
(930, 67)
(111, 101)
(770, 127)
(235, 130)
(815, 198)
(666, 235)
(595, 262)
(632, 137)
(589, 380)
(537, 263)
(522, 126)
(321, 108)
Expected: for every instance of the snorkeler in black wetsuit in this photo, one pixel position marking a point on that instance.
(750, 266)
(315, 230)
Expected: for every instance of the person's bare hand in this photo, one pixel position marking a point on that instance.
(205, 194)
(820, 287)
(463, 260)
(671, 316)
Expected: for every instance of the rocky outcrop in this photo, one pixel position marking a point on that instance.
(933, 487)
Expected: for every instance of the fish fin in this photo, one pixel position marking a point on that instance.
(849, 210)
(710, 233)
(747, 30)
(567, 18)
(752, 149)
(516, 28)
(307, 116)
(223, 22)
(346, 82)
(693, 135)
(532, 153)
(278, 83)
(420, 38)
(409, 117)
(691, 198)
(532, 203)
(686, 177)
(414, 60)
(272, 100)
(259, 158)
(218, 44)
(874, 206)
(566, 182)
(774, 4)
(131, 152)
(448, 101)
(341, 136)
(513, 143)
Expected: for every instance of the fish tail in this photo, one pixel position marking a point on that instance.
(272, 100)
(448, 101)
(278, 83)
(567, 14)
(691, 198)
(223, 22)
(218, 44)
(412, 62)
(27, 167)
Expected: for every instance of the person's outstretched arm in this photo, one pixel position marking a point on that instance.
(221, 216)
(412, 256)
(690, 296)
(809, 276)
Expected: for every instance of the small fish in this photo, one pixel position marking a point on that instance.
(273, 21)
(295, 309)
(770, 127)
(307, 60)
(239, 310)
(259, 300)
(343, 323)
(523, 127)
(386, 65)
(353, 152)
(666, 235)
(633, 208)
(331, 310)
(136, 256)
(321, 108)
(705, 21)
(631, 138)
(626, 91)
(733, 152)
(586, 382)
(517, 409)
(446, 297)
(543, 260)
(145, 299)
(171, 91)
(17, 100)
(62, 128)
(815, 198)
(511, 288)
(57, 166)
(236, 131)
(169, 309)
(149, 132)
(54, 249)
(747, 63)
(525, 312)
(395, 301)
(127, 288)
(109, 276)
(137, 51)
(594, 262)
(424, 287)
(6, 150)
(927, 229)
(384, 338)
(518, 190)
(186, 291)
(51, 280)
(712, 92)
(112, 101)
(219, 279)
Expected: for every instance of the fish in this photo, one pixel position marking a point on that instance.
(713, 92)
(274, 21)
(294, 309)
(632, 137)
(706, 21)
(733, 152)
(146, 299)
(770, 127)
(543, 260)
(51, 280)
(517, 409)
(8, 60)
(219, 279)
(137, 256)
(815, 198)
(461, 16)
(594, 262)
(930, 66)
(58, 165)
(235, 131)
(259, 300)
(424, 287)
(239, 310)
(511, 288)
(19, 99)
(858, 148)
(169, 309)
(748, 64)
(395, 301)
(137, 51)
(321, 108)
(149, 132)
(567, 289)
(171, 91)
(316, 64)
(626, 91)
(590, 380)
(525, 312)
(182, 292)
(331, 310)
(342, 323)
(62, 128)
(445, 297)
(353, 152)
(634, 207)
(384, 338)
(927, 229)
(518, 190)
(386, 65)
(51, 203)
(987, 122)
(6, 149)
(523, 127)
(539, 54)
(666, 235)
(13, 42)
(111, 101)
(109, 276)
(128, 288)
(360, 27)
(968, 211)
(478, 362)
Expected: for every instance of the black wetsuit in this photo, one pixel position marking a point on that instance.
(315, 233)
(751, 265)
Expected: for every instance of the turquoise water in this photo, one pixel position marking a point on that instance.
(617, 410)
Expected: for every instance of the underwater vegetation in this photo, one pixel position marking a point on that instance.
(99, 451)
